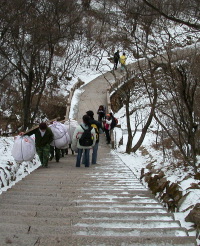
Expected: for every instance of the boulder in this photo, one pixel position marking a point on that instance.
(194, 215)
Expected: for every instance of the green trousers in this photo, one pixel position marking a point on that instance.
(43, 153)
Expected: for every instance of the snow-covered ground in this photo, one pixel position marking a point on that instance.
(13, 171)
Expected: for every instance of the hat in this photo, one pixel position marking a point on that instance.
(90, 113)
(43, 126)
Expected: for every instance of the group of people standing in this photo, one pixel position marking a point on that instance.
(105, 123)
(120, 59)
(94, 126)
(44, 136)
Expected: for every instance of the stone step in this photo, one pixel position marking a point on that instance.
(123, 210)
(56, 201)
(127, 224)
(112, 170)
(75, 240)
(81, 198)
(72, 208)
(120, 197)
(36, 175)
(82, 181)
(119, 241)
(100, 190)
(39, 201)
(38, 221)
(133, 232)
(113, 188)
(112, 176)
(116, 200)
(87, 215)
(119, 205)
(86, 195)
(101, 171)
(52, 227)
(131, 193)
(84, 185)
(77, 221)
(116, 180)
(67, 177)
(126, 216)
(78, 194)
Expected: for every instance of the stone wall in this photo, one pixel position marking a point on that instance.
(170, 194)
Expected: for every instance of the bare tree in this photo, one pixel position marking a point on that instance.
(173, 10)
(86, 4)
(30, 33)
(178, 108)
(152, 95)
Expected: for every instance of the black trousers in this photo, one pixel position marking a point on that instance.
(56, 154)
(115, 64)
(107, 132)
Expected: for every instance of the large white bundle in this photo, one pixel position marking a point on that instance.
(61, 136)
(71, 126)
(23, 148)
(61, 143)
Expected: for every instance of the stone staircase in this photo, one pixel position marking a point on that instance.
(101, 205)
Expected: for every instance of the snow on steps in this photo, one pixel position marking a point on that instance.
(102, 205)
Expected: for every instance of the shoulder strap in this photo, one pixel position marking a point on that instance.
(83, 128)
(89, 128)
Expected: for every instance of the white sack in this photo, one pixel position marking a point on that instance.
(61, 143)
(61, 136)
(71, 126)
(23, 148)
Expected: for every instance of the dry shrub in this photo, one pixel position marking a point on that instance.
(177, 154)
(59, 51)
(168, 143)
(143, 151)
(157, 146)
(54, 107)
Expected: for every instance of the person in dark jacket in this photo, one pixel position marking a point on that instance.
(107, 127)
(43, 138)
(116, 59)
(114, 121)
(101, 113)
(98, 129)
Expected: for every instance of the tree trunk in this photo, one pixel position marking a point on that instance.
(130, 137)
(145, 128)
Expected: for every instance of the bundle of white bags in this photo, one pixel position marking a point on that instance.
(61, 136)
(71, 126)
(23, 148)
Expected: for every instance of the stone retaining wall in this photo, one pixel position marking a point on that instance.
(170, 193)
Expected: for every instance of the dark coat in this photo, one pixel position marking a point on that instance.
(116, 57)
(42, 141)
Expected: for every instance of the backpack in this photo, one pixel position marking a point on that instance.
(96, 130)
(86, 138)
